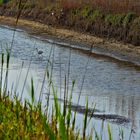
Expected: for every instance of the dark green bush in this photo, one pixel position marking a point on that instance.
(96, 14)
(136, 22)
(128, 18)
(86, 11)
(115, 19)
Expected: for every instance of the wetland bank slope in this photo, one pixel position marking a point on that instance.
(114, 32)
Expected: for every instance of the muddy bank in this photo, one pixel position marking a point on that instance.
(112, 48)
(85, 19)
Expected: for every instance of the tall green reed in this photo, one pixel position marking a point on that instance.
(6, 75)
(2, 63)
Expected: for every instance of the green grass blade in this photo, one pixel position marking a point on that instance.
(85, 121)
(2, 63)
(32, 91)
(109, 132)
(62, 128)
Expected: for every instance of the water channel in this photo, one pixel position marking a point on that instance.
(110, 84)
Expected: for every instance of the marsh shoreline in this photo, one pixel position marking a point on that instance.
(100, 46)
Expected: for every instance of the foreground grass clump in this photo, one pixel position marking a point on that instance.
(17, 121)
(26, 121)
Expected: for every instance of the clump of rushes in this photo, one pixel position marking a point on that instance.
(86, 11)
(136, 22)
(128, 18)
(96, 14)
(115, 19)
(20, 122)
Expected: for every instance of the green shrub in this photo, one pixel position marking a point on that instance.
(115, 20)
(118, 19)
(96, 14)
(75, 11)
(4, 1)
(86, 11)
(136, 22)
(128, 18)
(109, 19)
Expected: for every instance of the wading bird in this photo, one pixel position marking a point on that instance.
(40, 52)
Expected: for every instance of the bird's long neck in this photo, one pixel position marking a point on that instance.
(37, 49)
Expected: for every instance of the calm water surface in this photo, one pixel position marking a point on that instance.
(113, 86)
